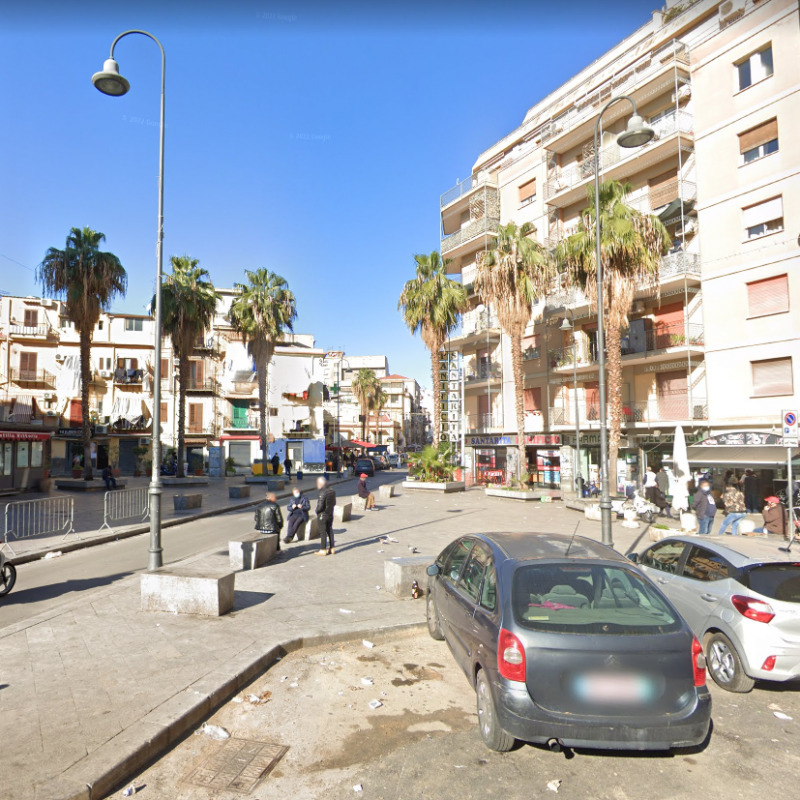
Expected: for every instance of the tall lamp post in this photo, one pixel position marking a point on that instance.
(566, 325)
(110, 82)
(635, 135)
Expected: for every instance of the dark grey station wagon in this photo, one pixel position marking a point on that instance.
(567, 643)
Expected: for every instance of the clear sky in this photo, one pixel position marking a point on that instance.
(311, 138)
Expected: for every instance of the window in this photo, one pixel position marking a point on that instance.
(533, 399)
(703, 565)
(456, 558)
(37, 454)
(759, 141)
(31, 317)
(664, 557)
(195, 417)
(163, 412)
(23, 453)
(770, 296)
(127, 363)
(772, 377)
(527, 192)
(472, 577)
(754, 68)
(164, 368)
(763, 218)
(778, 581)
(662, 189)
(27, 366)
(489, 593)
(132, 324)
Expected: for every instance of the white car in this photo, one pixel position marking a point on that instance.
(394, 460)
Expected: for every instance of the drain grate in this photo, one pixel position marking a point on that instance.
(237, 766)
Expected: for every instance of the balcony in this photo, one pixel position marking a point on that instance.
(678, 264)
(678, 407)
(471, 236)
(493, 373)
(40, 376)
(249, 422)
(531, 354)
(39, 331)
(203, 385)
(465, 187)
(648, 200)
(567, 185)
(128, 377)
(201, 429)
(482, 423)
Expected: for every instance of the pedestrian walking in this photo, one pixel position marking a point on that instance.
(705, 506)
(751, 492)
(662, 480)
(287, 468)
(651, 486)
(276, 464)
(364, 493)
(108, 477)
(325, 505)
(733, 500)
(775, 518)
(298, 514)
(269, 518)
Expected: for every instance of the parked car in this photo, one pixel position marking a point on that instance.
(394, 460)
(566, 643)
(741, 597)
(364, 466)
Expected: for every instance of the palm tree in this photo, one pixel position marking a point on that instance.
(363, 387)
(378, 402)
(87, 279)
(263, 310)
(188, 303)
(631, 244)
(510, 278)
(431, 305)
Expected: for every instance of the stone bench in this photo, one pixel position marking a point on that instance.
(205, 591)
(310, 530)
(184, 502)
(358, 503)
(386, 491)
(80, 485)
(252, 550)
(400, 573)
(342, 513)
(238, 491)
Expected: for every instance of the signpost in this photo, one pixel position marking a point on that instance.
(450, 374)
(790, 439)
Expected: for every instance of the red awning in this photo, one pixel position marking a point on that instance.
(75, 415)
(359, 443)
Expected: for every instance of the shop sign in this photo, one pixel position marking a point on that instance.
(450, 378)
(24, 436)
(544, 439)
(492, 441)
(742, 438)
(667, 366)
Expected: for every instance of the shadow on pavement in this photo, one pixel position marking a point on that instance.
(244, 599)
(54, 590)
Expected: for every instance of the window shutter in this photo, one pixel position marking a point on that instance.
(27, 362)
(770, 296)
(527, 190)
(763, 212)
(761, 134)
(663, 189)
(533, 399)
(164, 368)
(31, 317)
(530, 341)
(772, 377)
(163, 412)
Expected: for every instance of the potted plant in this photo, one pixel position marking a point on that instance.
(139, 452)
(77, 467)
(230, 466)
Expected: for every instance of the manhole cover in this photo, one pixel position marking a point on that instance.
(237, 766)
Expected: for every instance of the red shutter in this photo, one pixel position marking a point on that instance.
(163, 412)
(75, 415)
(533, 399)
(770, 296)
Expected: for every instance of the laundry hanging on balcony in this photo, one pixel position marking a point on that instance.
(68, 379)
(22, 410)
(128, 409)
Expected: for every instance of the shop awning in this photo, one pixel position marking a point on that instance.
(359, 443)
(768, 455)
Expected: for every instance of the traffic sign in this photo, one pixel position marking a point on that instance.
(789, 426)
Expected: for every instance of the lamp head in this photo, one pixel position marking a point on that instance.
(109, 81)
(480, 308)
(566, 325)
(636, 134)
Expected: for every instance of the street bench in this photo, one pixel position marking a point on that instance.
(80, 485)
(311, 529)
(343, 512)
(184, 502)
(202, 590)
(235, 492)
(386, 491)
(358, 503)
(399, 573)
(252, 550)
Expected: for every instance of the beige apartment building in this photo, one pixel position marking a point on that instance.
(715, 349)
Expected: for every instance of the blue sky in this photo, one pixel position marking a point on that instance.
(310, 138)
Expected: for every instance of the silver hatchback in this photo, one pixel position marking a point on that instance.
(741, 598)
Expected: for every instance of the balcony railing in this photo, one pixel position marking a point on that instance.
(207, 429)
(128, 376)
(484, 373)
(465, 187)
(472, 322)
(648, 199)
(663, 408)
(482, 423)
(531, 354)
(679, 263)
(15, 329)
(470, 231)
(204, 385)
(32, 376)
(250, 422)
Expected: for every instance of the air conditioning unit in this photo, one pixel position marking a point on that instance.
(730, 11)
(144, 442)
(48, 303)
(50, 414)
(101, 428)
(106, 373)
(60, 357)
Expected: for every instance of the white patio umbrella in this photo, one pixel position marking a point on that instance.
(680, 472)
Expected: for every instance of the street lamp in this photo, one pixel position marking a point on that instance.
(635, 135)
(566, 325)
(110, 82)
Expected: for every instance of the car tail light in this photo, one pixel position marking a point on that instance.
(769, 664)
(752, 609)
(510, 656)
(698, 663)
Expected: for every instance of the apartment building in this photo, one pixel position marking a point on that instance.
(714, 349)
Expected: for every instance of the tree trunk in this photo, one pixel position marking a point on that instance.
(614, 400)
(363, 421)
(519, 398)
(183, 375)
(262, 365)
(437, 397)
(85, 355)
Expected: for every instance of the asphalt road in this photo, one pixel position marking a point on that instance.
(46, 583)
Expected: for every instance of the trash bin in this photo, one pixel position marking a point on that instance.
(299, 474)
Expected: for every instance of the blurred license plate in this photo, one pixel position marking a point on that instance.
(622, 688)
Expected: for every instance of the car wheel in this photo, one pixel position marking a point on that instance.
(8, 577)
(725, 665)
(494, 737)
(434, 628)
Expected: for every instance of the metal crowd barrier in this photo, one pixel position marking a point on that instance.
(28, 518)
(122, 504)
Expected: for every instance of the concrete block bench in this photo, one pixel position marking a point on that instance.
(358, 503)
(184, 502)
(275, 484)
(342, 512)
(386, 491)
(80, 485)
(400, 573)
(310, 530)
(238, 491)
(205, 591)
(252, 550)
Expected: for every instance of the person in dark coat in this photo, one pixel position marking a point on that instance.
(325, 505)
(276, 464)
(269, 518)
(298, 514)
(108, 477)
(705, 506)
(750, 488)
(775, 518)
(364, 493)
(287, 468)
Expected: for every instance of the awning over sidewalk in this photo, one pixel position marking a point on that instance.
(767, 455)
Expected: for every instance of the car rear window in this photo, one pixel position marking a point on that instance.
(588, 598)
(778, 581)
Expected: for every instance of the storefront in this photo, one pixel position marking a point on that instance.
(492, 459)
(24, 455)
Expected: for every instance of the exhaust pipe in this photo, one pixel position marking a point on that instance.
(554, 745)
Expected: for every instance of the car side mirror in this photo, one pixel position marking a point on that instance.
(633, 557)
(433, 570)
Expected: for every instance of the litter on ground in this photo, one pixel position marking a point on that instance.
(367, 643)
(214, 732)
(553, 785)
(373, 704)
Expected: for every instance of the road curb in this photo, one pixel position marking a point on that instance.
(108, 768)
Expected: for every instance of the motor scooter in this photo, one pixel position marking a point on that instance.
(8, 575)
(645, 510)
